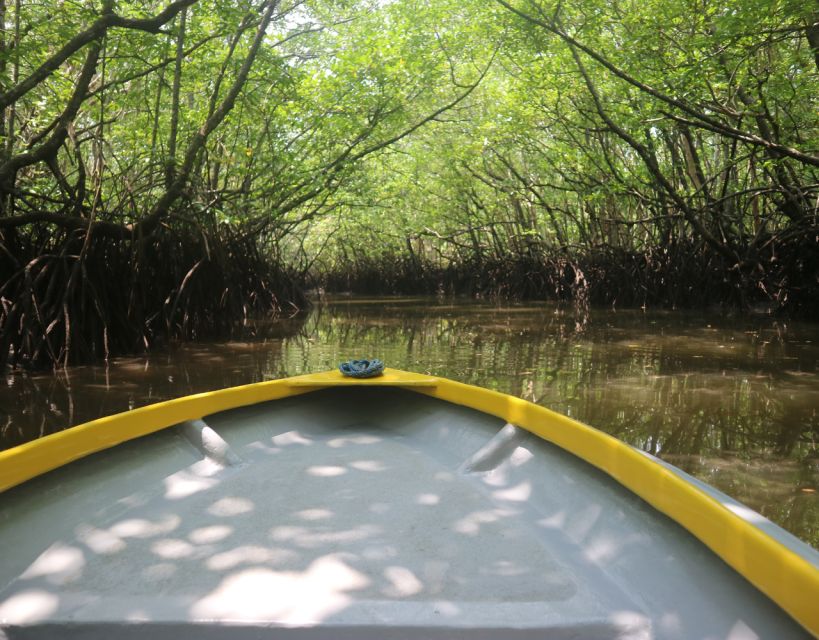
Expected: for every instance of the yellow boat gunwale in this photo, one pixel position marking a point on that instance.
(786, 577)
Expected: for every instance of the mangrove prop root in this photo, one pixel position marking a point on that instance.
(61, 305)
(683, 274)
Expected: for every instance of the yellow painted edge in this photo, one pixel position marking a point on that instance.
(783, 575)
(390, 378)
(35, 458)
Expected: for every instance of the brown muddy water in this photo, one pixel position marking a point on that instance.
(731, 400)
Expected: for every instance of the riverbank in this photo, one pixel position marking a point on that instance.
(680, 276)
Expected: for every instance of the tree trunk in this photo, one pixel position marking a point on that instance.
(197, 143)
(812, 34)
(170, 161)
(7, 206)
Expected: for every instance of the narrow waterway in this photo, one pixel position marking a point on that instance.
(732, 400)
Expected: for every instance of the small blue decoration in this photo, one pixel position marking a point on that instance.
(362, 368)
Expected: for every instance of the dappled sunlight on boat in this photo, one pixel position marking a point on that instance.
(210, 534)
(326, 471)
(189, 481)
(311, 515)
(313, 538)
(372, 466)
(518, 493)
(144, 528)
(554, 521)
(172, 548)
(403, 583)
(632, 624)
(137, 616)
(605, 549)
(741, 631)
(745, 513)
(59, 565)
(290, 438)
(100, 541)
(230, 507)
(29, 606)
(471, 524)
(336, 443)
(250, 555)
(288, 597)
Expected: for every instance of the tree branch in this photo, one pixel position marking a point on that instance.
(92, 33)
(50, 147)
(712, 124)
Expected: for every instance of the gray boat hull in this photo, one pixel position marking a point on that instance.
(356, 513)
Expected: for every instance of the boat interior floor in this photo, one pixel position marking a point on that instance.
(356, 513)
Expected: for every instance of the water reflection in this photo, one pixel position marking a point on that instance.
(734, 401)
